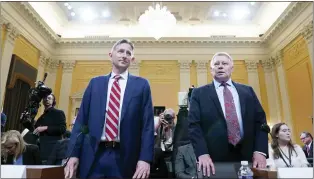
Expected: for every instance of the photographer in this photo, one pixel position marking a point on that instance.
(50, 126)
(164, 143)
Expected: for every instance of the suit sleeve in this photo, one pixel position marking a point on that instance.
(60, 126)
(261, 137)
(195, 131)
(147, 142)
(76, 140)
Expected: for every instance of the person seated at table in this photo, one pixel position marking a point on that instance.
(15, 151)
(282, 152)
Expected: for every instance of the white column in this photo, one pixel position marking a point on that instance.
(307, 33)
(201, 68)
(51, 68)
(185, 66)
(41, 67)
(134, 68)
(8, 47)
(66, 85)
(40, 75)
(253, 79)
(286, 109)
(272, 93)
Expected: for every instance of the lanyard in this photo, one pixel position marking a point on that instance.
(289, 158)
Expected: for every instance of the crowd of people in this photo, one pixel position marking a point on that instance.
(114, 134)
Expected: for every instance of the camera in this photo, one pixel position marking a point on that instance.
(168, 118)
(35, 95)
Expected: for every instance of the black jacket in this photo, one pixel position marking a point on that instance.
(55, 120)
(30, 156)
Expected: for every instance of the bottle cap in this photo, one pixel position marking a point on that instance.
(244, 163)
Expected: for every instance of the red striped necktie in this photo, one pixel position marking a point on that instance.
(112, 117)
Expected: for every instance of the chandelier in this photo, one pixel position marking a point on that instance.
(157, 21)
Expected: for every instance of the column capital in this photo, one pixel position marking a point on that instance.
(52, 64)
(251, 65)
(135, 65)
(307, 32)
(68, 66)
(201, 66)
(185, 65)
(278, 60)
(42, 61)
(12, 31)
(268, 64)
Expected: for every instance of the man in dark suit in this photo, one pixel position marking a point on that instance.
(117, 109)
(307, 139)
(225, 120)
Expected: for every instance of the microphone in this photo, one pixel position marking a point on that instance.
(45, 76)
(265, 128)
(84, 130)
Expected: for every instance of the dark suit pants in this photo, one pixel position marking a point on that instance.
(234, 153)
(106, 163)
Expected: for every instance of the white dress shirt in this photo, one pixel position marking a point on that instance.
(122, 83)
(220, 93)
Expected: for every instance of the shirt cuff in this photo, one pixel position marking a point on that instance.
(261, 153)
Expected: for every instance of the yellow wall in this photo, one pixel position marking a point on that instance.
(263, 90)
(298, 71)
(83, 72)
(164, 79)
(279, 96)
(193, 74)
(58, 84)
(26, 51)
(239, 73)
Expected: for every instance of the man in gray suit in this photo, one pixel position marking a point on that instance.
(185, 162)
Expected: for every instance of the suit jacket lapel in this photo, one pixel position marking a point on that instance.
(104, 88)
(242, 98)
(127, 95)
(213, 95)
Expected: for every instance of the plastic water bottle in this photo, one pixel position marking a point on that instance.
(245, 172)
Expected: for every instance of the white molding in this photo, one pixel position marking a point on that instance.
(18, 16)
(31, 16)
(44, 29)
(292, 11)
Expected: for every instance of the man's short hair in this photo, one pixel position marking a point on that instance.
(122, 41)
(220, 54)
(307, 134)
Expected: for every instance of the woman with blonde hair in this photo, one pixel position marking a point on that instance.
(282, 152)
(15, 151)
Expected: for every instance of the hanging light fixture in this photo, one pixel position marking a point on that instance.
(157, 21)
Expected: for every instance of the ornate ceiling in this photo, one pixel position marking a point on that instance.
(194, 19)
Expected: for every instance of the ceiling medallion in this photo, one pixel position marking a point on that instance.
(157, 21)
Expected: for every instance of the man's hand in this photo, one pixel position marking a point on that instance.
(40, 129)
(71, 167)
(142, 170)
(206, 164)
(162, 119)
(259, 160)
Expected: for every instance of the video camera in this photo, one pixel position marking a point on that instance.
(35, 96)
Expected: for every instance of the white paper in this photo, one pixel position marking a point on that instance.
(183, 98)
(13, 171)
(295, 173)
